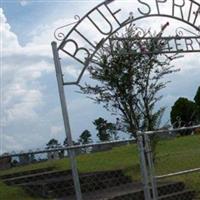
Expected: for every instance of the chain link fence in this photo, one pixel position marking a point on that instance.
(118, 170)
(176, 163)
(105, 171)
(181, 165)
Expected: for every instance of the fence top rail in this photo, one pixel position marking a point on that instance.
(72, 147)
(179, 173)
(168, 130)
(101, 143)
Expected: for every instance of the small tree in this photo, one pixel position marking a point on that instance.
(53, 143)
(102, 127)
(85, 137)
(197, 97)
(112, 130)
(197, 101)
(128, 83)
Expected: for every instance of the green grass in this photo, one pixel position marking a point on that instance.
(172, 155)
(117, 158)
(13, 193)
(179, 154)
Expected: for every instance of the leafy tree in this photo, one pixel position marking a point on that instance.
(197, 101)
(103, 128)
(53, 143)
(112, 130)
(85, 137)
(128, 83)
(184, 113)
(197, 97)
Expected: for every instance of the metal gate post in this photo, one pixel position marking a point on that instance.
(59, 76)
(151, 169)
(143, 166)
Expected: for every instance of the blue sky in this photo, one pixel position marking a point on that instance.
(25, 16)
(31, 113)
(30, 107)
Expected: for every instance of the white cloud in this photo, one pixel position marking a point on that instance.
(24, 106)
(24, 93)
(24, 2)
(56, 130)
(8, 38)
(21, 69)
(11, 143)
(24, 89)
(71, 70)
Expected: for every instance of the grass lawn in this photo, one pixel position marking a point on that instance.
(172, 156)
(13, 193)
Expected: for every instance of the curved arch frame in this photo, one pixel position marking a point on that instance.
(108, 35)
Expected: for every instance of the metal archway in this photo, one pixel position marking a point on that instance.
(92, 48)
(144, 10)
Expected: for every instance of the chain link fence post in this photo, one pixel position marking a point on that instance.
(147, 167)
(143, 166)
(150, 163)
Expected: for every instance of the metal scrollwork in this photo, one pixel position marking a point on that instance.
(136, 32)
(139, 32)
(106, 22)
(59, 34)
(180, 32)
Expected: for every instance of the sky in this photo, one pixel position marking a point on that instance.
(30, 107)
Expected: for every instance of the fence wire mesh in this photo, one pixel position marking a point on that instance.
(177, 164)
(176, 161)
(105, 171)
(109, 171)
